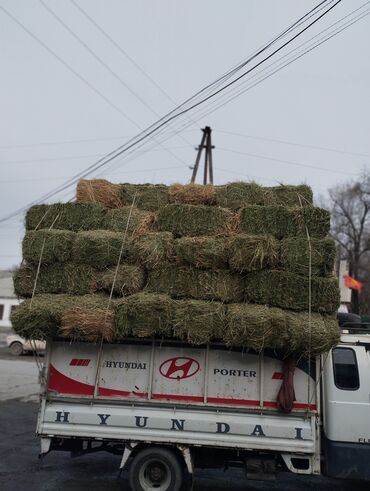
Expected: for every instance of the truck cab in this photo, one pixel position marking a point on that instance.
(346, 407)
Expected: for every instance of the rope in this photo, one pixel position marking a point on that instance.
(98, 367)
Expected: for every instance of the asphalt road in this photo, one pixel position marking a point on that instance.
(20, 468)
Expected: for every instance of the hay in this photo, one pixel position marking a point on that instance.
(41, 317)
(202, 252)
(118, 220)
(149, 197)
(81, 324)
(56, 246)
(186, 282)
(239, 194)
(129, 280)
(99, 191)
(66, 216)
(290, 291)
(294, 256)
(74, 279)
(190, 220)
(198, 322)
(192, 194)
(100, 248)
(253, 252)
(151, 249)
(258, 327)
(284, 222)
(144, 315)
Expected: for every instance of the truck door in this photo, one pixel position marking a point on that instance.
(346, 404)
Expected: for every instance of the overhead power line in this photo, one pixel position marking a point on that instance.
(295, 144)
(188, 105)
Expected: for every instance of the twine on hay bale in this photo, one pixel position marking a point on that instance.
(81, 324)
(192, 194)
(99, 191)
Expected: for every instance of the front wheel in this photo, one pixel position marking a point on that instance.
(16, 348)
(155, 469)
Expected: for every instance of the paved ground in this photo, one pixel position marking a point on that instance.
(21, 470)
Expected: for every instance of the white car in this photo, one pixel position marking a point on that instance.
(19, 345)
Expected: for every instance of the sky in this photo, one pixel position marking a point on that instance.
(74, 95)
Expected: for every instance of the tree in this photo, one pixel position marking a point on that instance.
(350, 227)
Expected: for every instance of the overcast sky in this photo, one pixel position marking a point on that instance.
(53, 124)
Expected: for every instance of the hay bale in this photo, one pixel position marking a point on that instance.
(186, 282)
(100, 248)
(92, 325)
(238, 194)
(259, 326)
(283, 222)
(191, 220)
(75, 279)
(55, 245)
(41, 317)
(118, 220)
(290, 291)
(129, 280)
(197, 321)
(150, 197)
(295, 254)
(192, 194)
(253, 252)
(255, 326)
(144, 315)
(99, 191)
(292, 196)
(66, 216)
(152, 249)
(202, 252)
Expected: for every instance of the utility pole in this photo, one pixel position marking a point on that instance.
(206, 145)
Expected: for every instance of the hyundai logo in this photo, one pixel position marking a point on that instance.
(179, 367)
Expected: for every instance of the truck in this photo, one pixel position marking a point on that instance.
(167, 408)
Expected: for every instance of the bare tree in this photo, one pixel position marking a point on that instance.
(350, 225)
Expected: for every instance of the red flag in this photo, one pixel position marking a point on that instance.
(352, 283)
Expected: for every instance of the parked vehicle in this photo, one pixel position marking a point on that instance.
(168, 408)
(18, 345)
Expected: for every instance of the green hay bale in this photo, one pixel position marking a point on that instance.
(191, 220)
(135, 221)
(282, 222)
(311, 338)
(48, 245)
(128, 280)
(255, 326)
(259, 326)
(294, 196)
(149, 197)
(186, 282)
(152, 249)
(202, 252)
(290, 291)
(100, 248)
(66, 216)
(238, 194)
(253, 252)
(198, 322)
(75, 279)
(295, 253)
(41, 317)
(144, 315)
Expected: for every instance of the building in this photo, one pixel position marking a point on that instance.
(8, 300)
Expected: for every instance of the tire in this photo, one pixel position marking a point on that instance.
(155, 469)
(16, 348)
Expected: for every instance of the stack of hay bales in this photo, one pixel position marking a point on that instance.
(235, 264)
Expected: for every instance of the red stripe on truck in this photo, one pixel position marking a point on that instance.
(79, 362)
